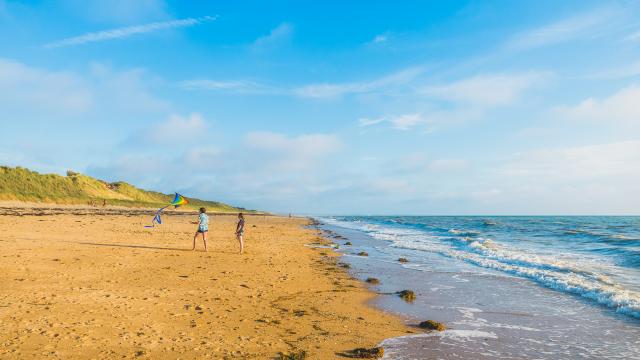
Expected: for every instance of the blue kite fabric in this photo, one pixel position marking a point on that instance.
(178, 201)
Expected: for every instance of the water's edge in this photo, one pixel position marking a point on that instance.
(484, 312)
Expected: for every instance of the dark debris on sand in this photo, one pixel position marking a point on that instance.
(407, 295)
(432, 325)
(299, 355)
(364, 353)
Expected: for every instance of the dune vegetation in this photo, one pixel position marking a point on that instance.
(20, 184)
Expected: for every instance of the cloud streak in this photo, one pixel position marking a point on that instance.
(335, 90)
(128, 31)
(230, 86)
(487, 90)
(563, 30)
(397, 122)
(279, 34)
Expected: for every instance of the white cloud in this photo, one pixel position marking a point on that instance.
(26, 87)
(448, 165)
(365, 122)
(334, 90)
(633, 37)
(622, 108)
(380, 39)
(38, 93)
(128, 31)
(284, 153)
(312, 144)
(589, 179)
(177, 128)
(563, 30)
(406, 121)
(324, 90)
(624, 71)
(390, 186)
(397, 122)
(278, 35)
(486, 90)
(230, 86)
(615, 162)
(127, 91)
(203, 157)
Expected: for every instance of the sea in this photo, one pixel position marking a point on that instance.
(521, 287)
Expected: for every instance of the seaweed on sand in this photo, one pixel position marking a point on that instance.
(407, 295)
(432, 325)
(299, 355)
(364, 353)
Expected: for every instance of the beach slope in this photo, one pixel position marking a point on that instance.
(104, 286)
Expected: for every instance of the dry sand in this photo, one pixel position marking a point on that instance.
(102, 286)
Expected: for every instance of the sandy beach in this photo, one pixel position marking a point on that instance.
(84, 284)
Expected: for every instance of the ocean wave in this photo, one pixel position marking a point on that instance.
(583, 277)
(590, 286)
(495, 251)
(464, 232)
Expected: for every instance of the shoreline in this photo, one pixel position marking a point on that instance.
(488, 313)
(86, 285)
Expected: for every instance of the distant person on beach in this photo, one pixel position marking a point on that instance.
(240, 231)
(203, 228)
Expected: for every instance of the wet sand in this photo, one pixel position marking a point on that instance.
(91, 284)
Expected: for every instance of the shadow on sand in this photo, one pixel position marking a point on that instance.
(134, 246)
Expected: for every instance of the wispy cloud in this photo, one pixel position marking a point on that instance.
(282, 152)
(486, 90)
(398, 122)
(277, 35)
(562, 30)
(620, 72)
(127, 31)
(29, 89)
(318, 91)
(192, 126)
(378, 39)
(364, 122)
(162, 133)
(620, 108)
(634, 37)
(230, 86)
(333, 90)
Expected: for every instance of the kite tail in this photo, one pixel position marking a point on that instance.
(156, 218)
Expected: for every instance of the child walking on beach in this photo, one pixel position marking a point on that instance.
(240, 231)
(203, 228)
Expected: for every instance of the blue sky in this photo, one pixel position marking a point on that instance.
(411, 107)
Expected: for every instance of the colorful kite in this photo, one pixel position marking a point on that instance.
(178, 200)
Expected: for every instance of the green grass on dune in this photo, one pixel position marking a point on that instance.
(25, 185)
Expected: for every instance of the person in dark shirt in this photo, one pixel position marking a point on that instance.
(240, 231)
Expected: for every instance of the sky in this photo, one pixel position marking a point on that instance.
(333, 107)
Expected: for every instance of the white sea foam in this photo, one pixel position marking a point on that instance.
(458, 335)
